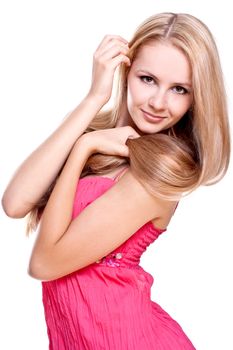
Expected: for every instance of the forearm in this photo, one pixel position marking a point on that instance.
(58, 212)
(36, 173)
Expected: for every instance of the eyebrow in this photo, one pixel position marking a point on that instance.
(156, 78)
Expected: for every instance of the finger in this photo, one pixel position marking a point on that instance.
(131, 131)
(111, 47)
(111, 44)
(124, 151)
(109, 38)
(131, 137)
(113, 51)
(136, 135)
(120, 59)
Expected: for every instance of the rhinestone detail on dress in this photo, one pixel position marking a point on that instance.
(110, 260)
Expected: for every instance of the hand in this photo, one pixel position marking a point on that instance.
(109, 141)
(111, 52)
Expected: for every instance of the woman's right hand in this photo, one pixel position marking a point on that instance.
(111, 52)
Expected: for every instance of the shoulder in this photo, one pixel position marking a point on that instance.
(159, 210)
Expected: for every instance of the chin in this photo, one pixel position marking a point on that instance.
(147, 130)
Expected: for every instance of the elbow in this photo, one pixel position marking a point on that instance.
(36, 271)
(10, 209)
(39, 270)
(32, 272)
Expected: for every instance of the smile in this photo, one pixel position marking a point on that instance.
(152, 118)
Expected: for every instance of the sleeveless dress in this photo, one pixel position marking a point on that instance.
(107, 305)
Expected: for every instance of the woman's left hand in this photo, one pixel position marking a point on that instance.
(109, 141)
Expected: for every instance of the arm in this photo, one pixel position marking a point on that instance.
(30, 181)
(37, 172)
(64, 246)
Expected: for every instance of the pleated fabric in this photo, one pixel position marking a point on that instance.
(107, 305)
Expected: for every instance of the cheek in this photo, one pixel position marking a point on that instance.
(134, 92)
(179, 105)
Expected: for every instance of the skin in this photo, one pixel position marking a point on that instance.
(159, 82)
(64, 245)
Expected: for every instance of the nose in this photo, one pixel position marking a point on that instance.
(158, 99)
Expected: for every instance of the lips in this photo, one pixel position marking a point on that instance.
(151, 118)
(152, 115)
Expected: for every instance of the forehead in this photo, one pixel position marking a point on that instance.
(163, 60)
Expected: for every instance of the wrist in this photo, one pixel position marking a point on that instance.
(84, 145)
(95, 100)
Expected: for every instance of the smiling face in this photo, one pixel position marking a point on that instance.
(159, 90)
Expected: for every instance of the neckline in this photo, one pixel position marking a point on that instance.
(149, 223)
(115, 178)
(98, 176)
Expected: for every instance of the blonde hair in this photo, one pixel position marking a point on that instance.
(195, 151)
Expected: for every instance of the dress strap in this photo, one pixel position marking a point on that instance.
(121, 172)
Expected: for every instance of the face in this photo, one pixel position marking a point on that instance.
(159, 90)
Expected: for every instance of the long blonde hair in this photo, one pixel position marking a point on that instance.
(195, 151)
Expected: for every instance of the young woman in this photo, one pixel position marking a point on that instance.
(108, 183)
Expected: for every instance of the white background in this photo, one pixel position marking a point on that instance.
(46, 60)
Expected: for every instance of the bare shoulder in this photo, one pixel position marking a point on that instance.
(160, 209)
(167, 212)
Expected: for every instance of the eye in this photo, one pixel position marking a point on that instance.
(146, 79)
(180, 90)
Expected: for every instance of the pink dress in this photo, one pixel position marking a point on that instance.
(107, 305)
